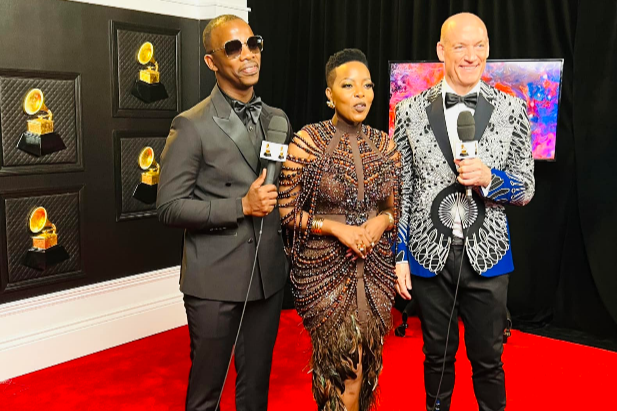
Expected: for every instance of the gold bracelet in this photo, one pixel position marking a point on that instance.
(390, 218)
(316, 225)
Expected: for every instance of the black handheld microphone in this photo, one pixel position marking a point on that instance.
(274, 148)
(468, 148)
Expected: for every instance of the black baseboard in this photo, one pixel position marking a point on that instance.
(565, 334)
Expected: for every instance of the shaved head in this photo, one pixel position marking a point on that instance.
(463, 48)
(459, 21)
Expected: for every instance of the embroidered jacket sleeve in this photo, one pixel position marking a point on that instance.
(516, 183)
(402, 144)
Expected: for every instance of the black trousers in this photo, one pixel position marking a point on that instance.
(481, 304)
(212, 327)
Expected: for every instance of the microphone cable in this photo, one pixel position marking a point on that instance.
(233, 348)
(445, 353)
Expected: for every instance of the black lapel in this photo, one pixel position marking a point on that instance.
(483, 113)
(231, 125)
(437, 120)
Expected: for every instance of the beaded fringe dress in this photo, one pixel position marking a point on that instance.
(344, 304)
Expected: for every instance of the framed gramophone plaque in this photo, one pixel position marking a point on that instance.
(41, 237)
(136, 172)
(40, 122)
(145, 71)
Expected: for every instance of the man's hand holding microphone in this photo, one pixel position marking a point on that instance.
(261, 198)
(262, 195)
(471, 170)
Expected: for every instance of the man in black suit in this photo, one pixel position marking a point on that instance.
(212, 185)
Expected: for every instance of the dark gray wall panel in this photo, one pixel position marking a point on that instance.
(61, 93)
(125, 42)
(127, 146)
(63, 210)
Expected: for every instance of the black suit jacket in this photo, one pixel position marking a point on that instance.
(207, 166)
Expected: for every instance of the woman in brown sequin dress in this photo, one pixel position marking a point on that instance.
(338, 201)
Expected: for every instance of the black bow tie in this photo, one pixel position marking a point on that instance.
(470, 100)
(251, 110)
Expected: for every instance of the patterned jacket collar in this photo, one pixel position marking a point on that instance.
(437, 120)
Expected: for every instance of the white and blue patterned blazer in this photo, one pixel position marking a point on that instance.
(503, 132)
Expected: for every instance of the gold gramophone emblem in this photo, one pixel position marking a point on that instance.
(45, 231)
(34, 103)
(145, 56)
(40, 139)
(146, 161)
(148, 87)
(267, 152)
(45, 250)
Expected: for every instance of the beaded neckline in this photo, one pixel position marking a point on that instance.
(347, 128)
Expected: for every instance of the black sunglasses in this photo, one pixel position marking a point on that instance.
(233, 48)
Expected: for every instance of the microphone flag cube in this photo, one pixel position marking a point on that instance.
(273, 151)
(466, 149)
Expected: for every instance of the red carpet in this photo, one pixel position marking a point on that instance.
(150, 374)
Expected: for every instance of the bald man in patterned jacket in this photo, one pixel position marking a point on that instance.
(453, 246)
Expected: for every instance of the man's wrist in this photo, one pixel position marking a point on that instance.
(488, 176)
(243, 207)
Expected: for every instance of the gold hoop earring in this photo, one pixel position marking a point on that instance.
(330, 104)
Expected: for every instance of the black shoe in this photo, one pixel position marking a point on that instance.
(508, 331)
(402, 329)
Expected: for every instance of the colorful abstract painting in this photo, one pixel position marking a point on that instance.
(536, 82)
